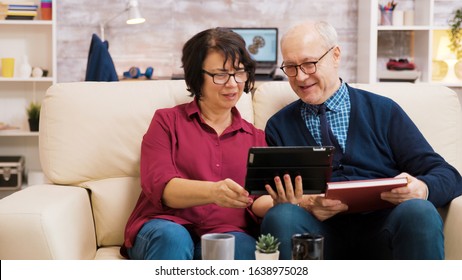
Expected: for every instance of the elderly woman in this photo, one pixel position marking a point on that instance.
(193, 158)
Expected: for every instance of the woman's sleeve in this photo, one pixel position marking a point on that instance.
(157, 167)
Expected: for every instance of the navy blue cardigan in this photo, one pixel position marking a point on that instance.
(382, 141)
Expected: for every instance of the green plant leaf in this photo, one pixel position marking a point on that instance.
(267, 243)
(33, 110)
(455, 33)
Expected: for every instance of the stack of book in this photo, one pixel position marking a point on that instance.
(22, 11)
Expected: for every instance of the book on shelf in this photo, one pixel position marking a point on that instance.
(21, 13)
(20, 17)
(21, 10)
(364, 195)
(21, 3)
(13, 7)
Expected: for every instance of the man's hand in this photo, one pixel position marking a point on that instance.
(322, 208)
(287, 194)
(414, 189)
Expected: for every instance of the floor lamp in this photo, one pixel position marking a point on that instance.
(133, 17)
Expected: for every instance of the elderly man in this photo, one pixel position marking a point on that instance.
(374, 138)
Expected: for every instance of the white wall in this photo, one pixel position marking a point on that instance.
(169, 23)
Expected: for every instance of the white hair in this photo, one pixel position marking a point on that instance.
(326, 31)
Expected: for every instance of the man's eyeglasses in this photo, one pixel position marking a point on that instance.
(306, 67)
(223, 78)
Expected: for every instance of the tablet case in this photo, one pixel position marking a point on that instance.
(314, 164)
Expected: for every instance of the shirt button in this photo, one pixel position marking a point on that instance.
(217, 165)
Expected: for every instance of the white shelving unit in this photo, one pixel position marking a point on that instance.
(422, 40)
(37, 40)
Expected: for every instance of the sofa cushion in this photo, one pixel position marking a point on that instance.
(113, 200)
(92, 131)
(109, 253)
(49, 223)
(269, 98)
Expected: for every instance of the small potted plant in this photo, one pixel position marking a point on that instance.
(33, 115)
(267, 247)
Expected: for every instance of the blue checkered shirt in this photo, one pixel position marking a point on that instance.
(338, 116)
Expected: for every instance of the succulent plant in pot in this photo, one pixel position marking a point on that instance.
(33, 115)
(267, 247)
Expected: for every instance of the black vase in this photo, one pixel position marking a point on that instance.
(34, 124)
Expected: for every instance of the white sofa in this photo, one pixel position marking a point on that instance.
(90, 135)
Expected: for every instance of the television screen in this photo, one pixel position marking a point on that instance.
(262, 44)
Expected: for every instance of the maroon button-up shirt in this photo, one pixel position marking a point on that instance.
(179, 145)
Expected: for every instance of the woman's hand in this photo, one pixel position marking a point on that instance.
(183, 193)
(227, 193)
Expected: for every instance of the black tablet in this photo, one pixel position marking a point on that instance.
(314, 164)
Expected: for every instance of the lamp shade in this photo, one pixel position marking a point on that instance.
(134, 15)
(444, 53)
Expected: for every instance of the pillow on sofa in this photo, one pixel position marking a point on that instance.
(112, 201)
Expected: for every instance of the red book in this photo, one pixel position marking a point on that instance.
(363, 195)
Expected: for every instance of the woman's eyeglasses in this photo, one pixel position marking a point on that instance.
(223, 78)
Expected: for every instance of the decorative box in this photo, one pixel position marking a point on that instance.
(11, 172)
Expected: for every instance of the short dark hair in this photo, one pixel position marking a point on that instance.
(223, 40)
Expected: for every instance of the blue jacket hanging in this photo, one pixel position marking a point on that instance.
(100, 66)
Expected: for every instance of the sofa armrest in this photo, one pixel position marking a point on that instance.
(47, 222)
(453, 229)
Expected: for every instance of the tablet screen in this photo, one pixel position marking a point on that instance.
(314, 164)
